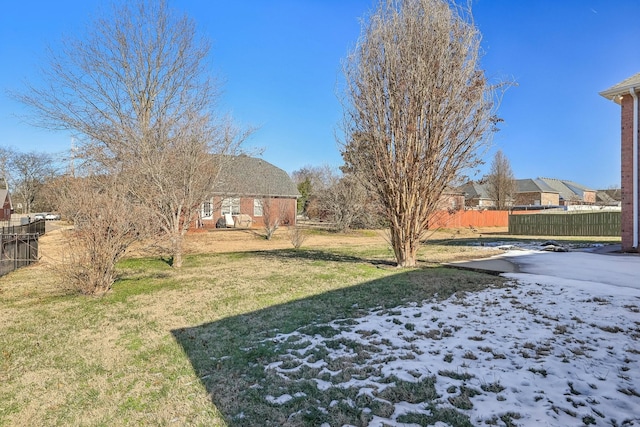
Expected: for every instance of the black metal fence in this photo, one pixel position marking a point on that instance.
(17, 250)
(19, 245)
(34, 227)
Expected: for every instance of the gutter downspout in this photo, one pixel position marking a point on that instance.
(634, 186)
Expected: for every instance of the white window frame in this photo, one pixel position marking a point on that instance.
(230, 205)
(206, 210)
(258, 209)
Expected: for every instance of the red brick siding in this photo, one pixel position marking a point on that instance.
(5, 212)
(286, 208)
(626, 179)
(536, 197)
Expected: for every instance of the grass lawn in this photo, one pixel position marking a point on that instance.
(184, 347)
(190, 347)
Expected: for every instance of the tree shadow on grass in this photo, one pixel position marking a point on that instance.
(319, 255)
(229, 356)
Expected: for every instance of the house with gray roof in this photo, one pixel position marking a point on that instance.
(571, 193)
(535, 192)
(5, 201)
(476, 195)
(538, 192)
(249, 193)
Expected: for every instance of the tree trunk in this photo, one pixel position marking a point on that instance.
(176, 249)
(405, 249)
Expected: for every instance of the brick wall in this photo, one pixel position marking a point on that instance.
(284, 208)
(533, 198)
(626, 178)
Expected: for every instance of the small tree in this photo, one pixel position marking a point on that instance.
(417, 110)
(501, 184)
(274, 214)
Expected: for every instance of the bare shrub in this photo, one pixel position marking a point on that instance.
(274, 214)
(297, 236)
(106, 223)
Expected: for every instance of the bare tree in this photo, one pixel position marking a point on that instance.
(348, 204)
(311, 181)
(417, 110)
(137, 93)
(501, 184)
(28, 174)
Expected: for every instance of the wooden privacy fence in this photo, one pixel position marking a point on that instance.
(468, 218)
(17, 250)
(566, 224)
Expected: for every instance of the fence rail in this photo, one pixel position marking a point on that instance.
(17, 250)
(566, 224)
(35, 227)
(468, 218)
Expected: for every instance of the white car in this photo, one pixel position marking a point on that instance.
(39, 216)
(52, 217)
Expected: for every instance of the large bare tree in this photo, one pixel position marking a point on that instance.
(28, 174)
(418, 109)
(137, 93)
(501, 183)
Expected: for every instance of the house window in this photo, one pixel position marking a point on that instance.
(207, 210)
(257, 207)
(231, 206)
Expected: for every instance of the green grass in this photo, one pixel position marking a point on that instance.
(189, 347)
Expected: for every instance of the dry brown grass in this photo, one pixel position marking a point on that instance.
(71, 360)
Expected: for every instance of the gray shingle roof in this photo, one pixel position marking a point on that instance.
(533, 186)
(473, 190)
(250, 176)
(568, 189)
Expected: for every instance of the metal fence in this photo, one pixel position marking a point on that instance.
(17, 250)
(19, 245)
(566, 224)
(35, 227)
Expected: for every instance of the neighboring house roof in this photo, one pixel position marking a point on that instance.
(250, 176)
(604, 198)
(568, 190)
(474, 190)
(622, 88)
(4, 194)
(533, 186)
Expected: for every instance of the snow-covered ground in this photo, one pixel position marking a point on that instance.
(558, 346)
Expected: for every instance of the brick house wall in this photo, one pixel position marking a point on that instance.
(537, 198)
(5, 212)
(630, 190)
(626, 177)
(589, 197)
(283, 208)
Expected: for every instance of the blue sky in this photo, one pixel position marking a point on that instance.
(280, 63)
